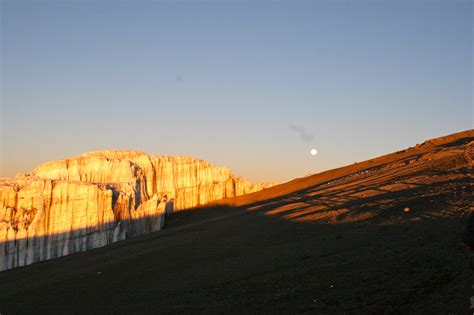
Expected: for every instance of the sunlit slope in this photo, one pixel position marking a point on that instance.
(362, 190)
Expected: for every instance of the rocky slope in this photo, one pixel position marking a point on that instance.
(336, 242)
(360, 191)
(97, 198)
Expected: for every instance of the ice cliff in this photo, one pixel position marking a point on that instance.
(98, 198)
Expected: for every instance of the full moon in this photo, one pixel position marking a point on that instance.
(314, 151)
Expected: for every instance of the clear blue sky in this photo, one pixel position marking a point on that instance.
(223, 81)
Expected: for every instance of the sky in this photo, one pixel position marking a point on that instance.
(251, 85)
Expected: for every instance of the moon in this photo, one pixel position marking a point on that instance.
(314, 151)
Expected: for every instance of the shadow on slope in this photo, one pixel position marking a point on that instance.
(229, 259)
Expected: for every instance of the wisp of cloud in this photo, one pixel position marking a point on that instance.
(304, 133)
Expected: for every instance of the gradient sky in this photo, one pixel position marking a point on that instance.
(225, 81)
